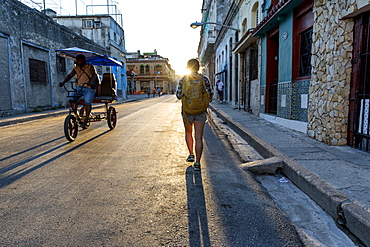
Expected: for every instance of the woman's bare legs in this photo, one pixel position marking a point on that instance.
(198, 129)
(189, 136)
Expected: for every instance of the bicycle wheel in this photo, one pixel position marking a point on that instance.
(112, 117)
(70, 128)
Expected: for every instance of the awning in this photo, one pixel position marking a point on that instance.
(275, 15)
(245, 41)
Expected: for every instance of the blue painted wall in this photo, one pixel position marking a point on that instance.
(263, 60)
(285, 47)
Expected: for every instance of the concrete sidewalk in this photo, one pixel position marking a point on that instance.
(336, 178)
(58, 112)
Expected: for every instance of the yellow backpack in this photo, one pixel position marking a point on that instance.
(195, 97)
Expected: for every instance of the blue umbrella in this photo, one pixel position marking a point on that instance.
(91, 57)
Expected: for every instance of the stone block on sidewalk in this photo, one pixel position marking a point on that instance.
(265, 166)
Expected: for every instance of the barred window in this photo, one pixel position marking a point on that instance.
(61, 64)
(37, 71)
(305, 53)
(254, 63)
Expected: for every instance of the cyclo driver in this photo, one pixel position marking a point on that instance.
(85, 77)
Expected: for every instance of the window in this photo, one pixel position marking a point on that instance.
(37, 71)
(97, 24)
(303, 21)
(141, 69)
(244, 26)
(87, 23)
(305, 53)
(254, 63)
(158, 69)
(255, 15)
(61, 64)
(147, 69)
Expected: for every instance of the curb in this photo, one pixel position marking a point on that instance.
(349, 214)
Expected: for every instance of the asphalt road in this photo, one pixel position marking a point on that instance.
(130, 186)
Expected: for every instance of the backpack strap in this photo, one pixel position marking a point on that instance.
(182, 86)
(85, 73)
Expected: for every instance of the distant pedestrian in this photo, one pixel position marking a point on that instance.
(159, 92)
(148, 91)
(195, 92)
(220, 90)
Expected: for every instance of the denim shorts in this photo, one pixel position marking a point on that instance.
(87, 93)
(201, 118)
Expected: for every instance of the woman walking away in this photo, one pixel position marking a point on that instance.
(195, 93)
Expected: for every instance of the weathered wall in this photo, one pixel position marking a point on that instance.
(5, 93)
(27, 33)
(331, 71)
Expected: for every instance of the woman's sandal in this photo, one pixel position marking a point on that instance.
(196, 166)
(190, 158)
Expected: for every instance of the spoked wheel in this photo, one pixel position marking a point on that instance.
(70, 128)
(112, 117)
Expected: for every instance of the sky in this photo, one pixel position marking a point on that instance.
(163, 25)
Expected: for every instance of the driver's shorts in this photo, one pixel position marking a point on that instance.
(87, 93)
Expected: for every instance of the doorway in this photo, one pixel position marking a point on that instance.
(359, 110)
(272, 70)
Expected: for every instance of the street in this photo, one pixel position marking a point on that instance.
(130, 186)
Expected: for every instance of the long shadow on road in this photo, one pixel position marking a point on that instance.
(249, 216)
(6, 180)
(197, 213)
(29, 149)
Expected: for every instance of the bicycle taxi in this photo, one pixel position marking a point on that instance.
(105, 94)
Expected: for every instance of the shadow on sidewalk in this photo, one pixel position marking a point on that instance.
(197, 213)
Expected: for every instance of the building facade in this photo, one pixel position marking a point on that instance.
(232, 56)
(30, 68)
(298, 63)
(104, 30)
(150, 71)
(285, 33)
